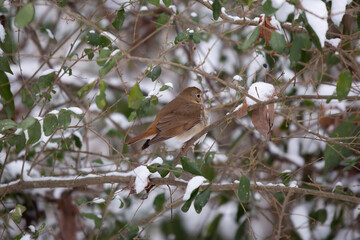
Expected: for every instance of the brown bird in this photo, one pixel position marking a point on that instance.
(183, 118)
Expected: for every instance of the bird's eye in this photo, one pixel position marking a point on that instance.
(198, 95)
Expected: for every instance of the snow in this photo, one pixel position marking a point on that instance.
(277, 3)
(193, 184)
(156, 160)
(173, 8)
(193, 14)
(334, 42)
(2, 33)
(261, 91)
(237, 78)
(75, 110)
(141, 178)
(144, 9)
(32, 228)
(120, 119)
(169, 84)
(284, 11)
(316, 14)
(51, 35)
(338, 8)
(26, 237)
(98, 200)
(299, 217)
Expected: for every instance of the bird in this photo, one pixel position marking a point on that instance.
(183, 118)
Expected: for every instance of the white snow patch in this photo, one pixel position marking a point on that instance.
(277, 3)
(193, 14)
(284, 11)
(51, 35)
(316, 14)
(261, 91)
(120, 119)
(32, 228)
(156, 160)
(300, 219)
(237, 78)
(26, 237)
(75, 110)
(2, 33)
(334, 42)
(173, 8)
(141, 178)
(193, 184)
(144, 9)
(98, 200)
(338, 8)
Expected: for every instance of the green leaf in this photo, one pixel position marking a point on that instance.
(92, 216)
(335, 153)
(93, 38)
(155, 73)
(119, 19)
(164, 87)
(167, 2)
(78, 142)
(98, 161)
(135, 97)
(132, 115)
(267, 8)
(25, 15)
(64, 118)
(314, 37)
(89, 52)
(320, 216)
(216, 9)
(86, 88)
(4, 65)
(5, 93)
(159, 202)
(244, 189)
(208, 172)
(155, 2)
(109, 65)
(190, 166)
(154, 100)
(300, 41)
(27, 98)
(7, 46)
(251, 39)
(180, 37)
(62, 3)
(104, 41)
(19, 141)
(201, 200)
(162, 20)
(50, 124)
(277, 42)
(7, 124)
(187, 204)
(196, 38)
(343, 85)
(34, 132)
(17, 213)
(27, 122)
(100, 99)
(104, 54)
(46, 81)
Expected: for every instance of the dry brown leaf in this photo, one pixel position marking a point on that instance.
(266, 29)
(263, 119)
(242, 111)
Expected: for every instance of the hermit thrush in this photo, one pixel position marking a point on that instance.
(183, 118)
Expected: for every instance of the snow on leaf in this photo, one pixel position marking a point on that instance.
(261, 91)
(141, 178)
(316, 14)
(193, 184)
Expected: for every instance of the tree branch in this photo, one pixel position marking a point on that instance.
(125, 178)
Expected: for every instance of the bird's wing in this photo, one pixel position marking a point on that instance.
(177, 121)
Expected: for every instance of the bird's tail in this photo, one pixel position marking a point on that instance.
(147, 134)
